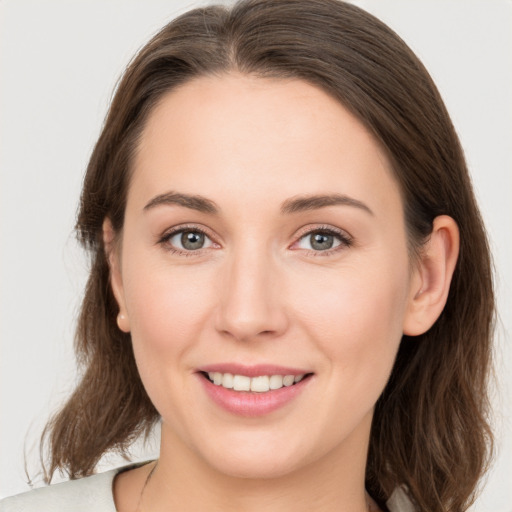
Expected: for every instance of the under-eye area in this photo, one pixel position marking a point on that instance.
(259, 384)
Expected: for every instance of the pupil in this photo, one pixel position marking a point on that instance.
(321, 241)
(192, 240)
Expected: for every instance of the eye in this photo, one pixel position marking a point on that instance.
(187, 240)
(322, 240)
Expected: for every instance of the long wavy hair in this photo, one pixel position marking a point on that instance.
(430, 430)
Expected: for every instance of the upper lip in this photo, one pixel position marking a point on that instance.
(252, 370)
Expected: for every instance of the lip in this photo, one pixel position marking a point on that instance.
(247, 403)
(252, 370)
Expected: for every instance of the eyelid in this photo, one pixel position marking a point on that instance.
(345, 238)
(164, 238)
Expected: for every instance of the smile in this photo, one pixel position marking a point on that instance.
(259, 384)
(252, 391)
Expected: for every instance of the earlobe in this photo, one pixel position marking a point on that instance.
(430, 283)
(122, 322)
(116, 281)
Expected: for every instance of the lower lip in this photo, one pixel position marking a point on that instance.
(250, 404)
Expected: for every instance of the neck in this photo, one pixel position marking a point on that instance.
(183, 481)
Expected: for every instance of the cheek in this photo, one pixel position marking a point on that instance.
(167, 310)
(166, 307)
(355, 317)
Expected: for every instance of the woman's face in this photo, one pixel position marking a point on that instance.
(264, 237)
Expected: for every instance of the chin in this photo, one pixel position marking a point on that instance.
(261, 458)
(255, 468)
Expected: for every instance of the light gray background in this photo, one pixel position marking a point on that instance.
(59, 62)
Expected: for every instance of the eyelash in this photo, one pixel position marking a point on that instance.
(164, 240)
(344, 239)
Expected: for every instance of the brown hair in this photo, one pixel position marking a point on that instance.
(430, 430)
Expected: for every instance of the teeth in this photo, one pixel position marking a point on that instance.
(260, 384)
(288, 380)
(227, 380)
(276, 381)
(241, 383)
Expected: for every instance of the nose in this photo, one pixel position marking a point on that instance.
(252, 299)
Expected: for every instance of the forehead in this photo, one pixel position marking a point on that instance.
(261, 137)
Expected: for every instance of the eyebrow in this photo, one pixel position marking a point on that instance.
(194, 202)
(293, 205)
(314, 202)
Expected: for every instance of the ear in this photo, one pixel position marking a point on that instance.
(432, 276)
(116, 280)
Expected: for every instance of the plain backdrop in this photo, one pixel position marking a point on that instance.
(59, 63)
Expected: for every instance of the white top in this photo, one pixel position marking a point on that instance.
(94, 493)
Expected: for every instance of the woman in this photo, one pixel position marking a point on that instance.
(289, 271)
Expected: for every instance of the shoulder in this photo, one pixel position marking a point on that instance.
(95, 493)
(83, 495)
(398, 501)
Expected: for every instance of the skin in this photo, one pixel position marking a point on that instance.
(258, 292)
